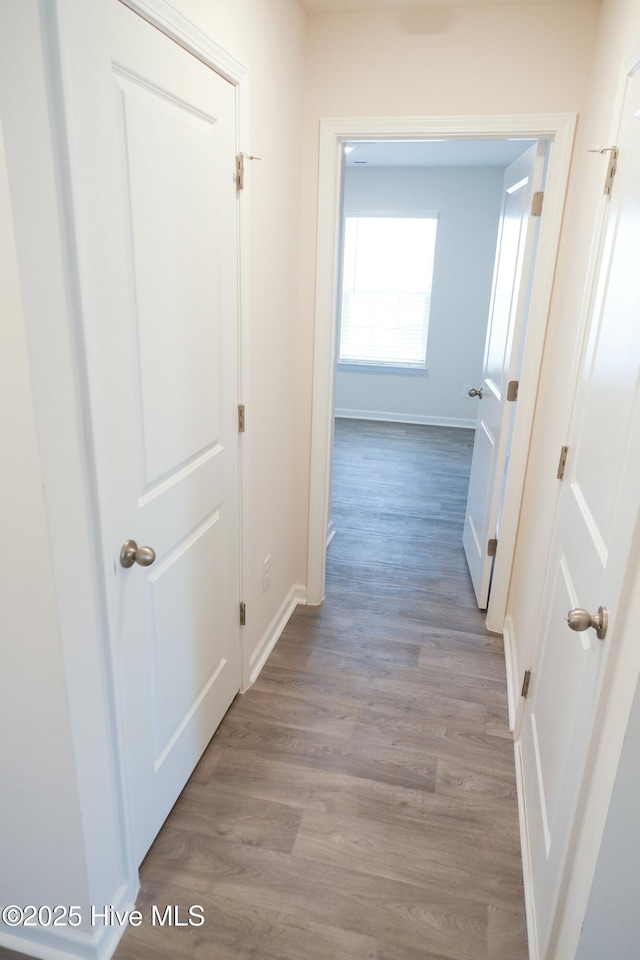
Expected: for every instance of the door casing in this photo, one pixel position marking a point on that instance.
(559, 129)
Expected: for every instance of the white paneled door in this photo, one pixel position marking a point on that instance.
(592, 550)
(154, 160)
(507, 316)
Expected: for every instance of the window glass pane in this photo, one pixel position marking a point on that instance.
(387, 273)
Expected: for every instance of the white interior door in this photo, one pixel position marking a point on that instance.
(507, 316)
(154, 182)
(591, 548)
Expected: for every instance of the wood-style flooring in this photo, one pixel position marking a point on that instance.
(359, 802)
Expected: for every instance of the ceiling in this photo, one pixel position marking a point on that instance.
(435, 153)
(343, 6)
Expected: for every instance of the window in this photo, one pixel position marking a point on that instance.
(386, 290)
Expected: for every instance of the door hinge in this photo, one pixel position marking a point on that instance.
(562, 462)
(492, 546)
(611, 166)
(241, 418)
(536, 203)
(240, 159)
(525, 683)
(243, 614)
(512, 390)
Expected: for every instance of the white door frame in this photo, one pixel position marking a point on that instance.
(334, 131)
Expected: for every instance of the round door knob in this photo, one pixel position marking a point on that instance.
(131, 553)
(476, 392)
(580, 619)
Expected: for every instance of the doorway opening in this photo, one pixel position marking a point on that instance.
(421, 224)
(335, 133)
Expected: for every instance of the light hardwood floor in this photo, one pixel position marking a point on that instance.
(359, 802)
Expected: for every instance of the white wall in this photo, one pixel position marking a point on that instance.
(269, 38)
(467, 201)
(524, 58)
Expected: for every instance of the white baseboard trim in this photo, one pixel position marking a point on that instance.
(67, 947)
(297, 594)
(110, 937)
(69, 943)
(406, 418)
(511, 665)
(526, 858)
(331, 532)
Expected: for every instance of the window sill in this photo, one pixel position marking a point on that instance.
(345, 367)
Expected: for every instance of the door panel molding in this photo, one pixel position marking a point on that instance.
(188, 35)
(334, 131)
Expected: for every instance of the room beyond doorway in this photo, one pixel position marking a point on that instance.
(433, 277)
(419, 224)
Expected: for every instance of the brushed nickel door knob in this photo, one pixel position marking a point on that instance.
(580, 619)
(131, 553)
(476, 392)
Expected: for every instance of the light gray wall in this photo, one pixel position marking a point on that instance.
(467, 201)
(612, 924)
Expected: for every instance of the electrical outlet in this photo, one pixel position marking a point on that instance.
(466, 388)
(266, 574)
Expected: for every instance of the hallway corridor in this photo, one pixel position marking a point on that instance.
(359, 802)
